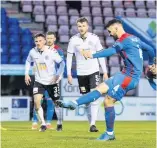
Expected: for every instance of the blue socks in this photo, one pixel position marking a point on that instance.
(50, 110)
(89, 97)
(109, 117)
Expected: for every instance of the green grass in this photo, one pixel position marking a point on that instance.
(76, 135)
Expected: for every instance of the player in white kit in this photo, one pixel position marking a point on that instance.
(44, 59)
(87, 69)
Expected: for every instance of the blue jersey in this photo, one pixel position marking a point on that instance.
(130, 49)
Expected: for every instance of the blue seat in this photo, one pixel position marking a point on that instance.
(4, 39)
(3, 11)
(4, 59)
(5, 49)
(15, 50)
(27, 40)
(14, 30)
(26, 31)
(4, 19)
(23, 59)
(25, 50)
(4, 29)
(13, 22)
(15, 59)
(14, 39)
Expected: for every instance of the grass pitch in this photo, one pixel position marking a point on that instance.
(76, 135)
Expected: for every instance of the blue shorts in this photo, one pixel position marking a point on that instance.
(46, 95)
(119, 85)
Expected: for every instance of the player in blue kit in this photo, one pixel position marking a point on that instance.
(130, 49)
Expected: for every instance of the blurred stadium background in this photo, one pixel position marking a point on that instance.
(20, 20)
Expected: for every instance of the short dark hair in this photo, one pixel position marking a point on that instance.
(82, 19)
(51, 33)
(111, 22)
(39, 35)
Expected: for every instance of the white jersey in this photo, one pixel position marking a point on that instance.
(85, 66)
(44, 64)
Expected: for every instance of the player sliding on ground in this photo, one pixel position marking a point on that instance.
(129, 47)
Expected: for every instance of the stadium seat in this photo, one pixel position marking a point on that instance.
(130, 12)
(27, 40)
(98, 32)
(61, 3)
(51, 20)
(25, 50)
(40, 18)
(141, 13)
(4, 39)
(73, 30)
(4, 59)
(152, 13)
(114, 61)
(98, 21)
(49, 3)
(50, 10)
(15, 59)
(4, 48)
(38, 9)
(64, 38)
(3, 11)
(14, 50)
(85, 11)
(63, 20)
(119, 12)
(84, 3)
(129, 4)
(73, 20)
(108, 12)
(73, 12)
(53, 28)
(109, 41)
(106, 33)
(118, 4)
(38, 2)
(62, 10)
(96, 11)
(23, 61)
(14, 39)
(106, 4)
(89, 19)
(102, 41)
(140, 4)
(95, 3)
(13, 22)
(26, 31)
(4, 28)
(27, 8)
(107, 19)
(114, 70)
(150, 4)
(24, 2)
(63, 30)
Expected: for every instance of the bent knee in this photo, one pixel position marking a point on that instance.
(109, 101)
(102, 88)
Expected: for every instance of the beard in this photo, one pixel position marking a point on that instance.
(115, 37)
(49, 43)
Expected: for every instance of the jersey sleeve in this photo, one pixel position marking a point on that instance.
(70, 47)
(56, 57)
(29, 57)
(149, 50)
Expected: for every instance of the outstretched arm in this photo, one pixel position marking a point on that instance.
(150, 52)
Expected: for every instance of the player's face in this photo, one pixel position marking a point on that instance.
(50, 39)
(82, 27)
(40, 42)
(113, 31)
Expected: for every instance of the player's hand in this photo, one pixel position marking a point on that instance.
(58, 78)
(105, 76)
(70, 79)
(53, 81)
(87, 54)
(27, 79)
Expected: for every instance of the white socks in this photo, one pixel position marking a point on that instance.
(59, 114)
(110, 133)
(41, 115)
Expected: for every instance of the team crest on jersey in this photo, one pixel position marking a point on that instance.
(46, 57)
